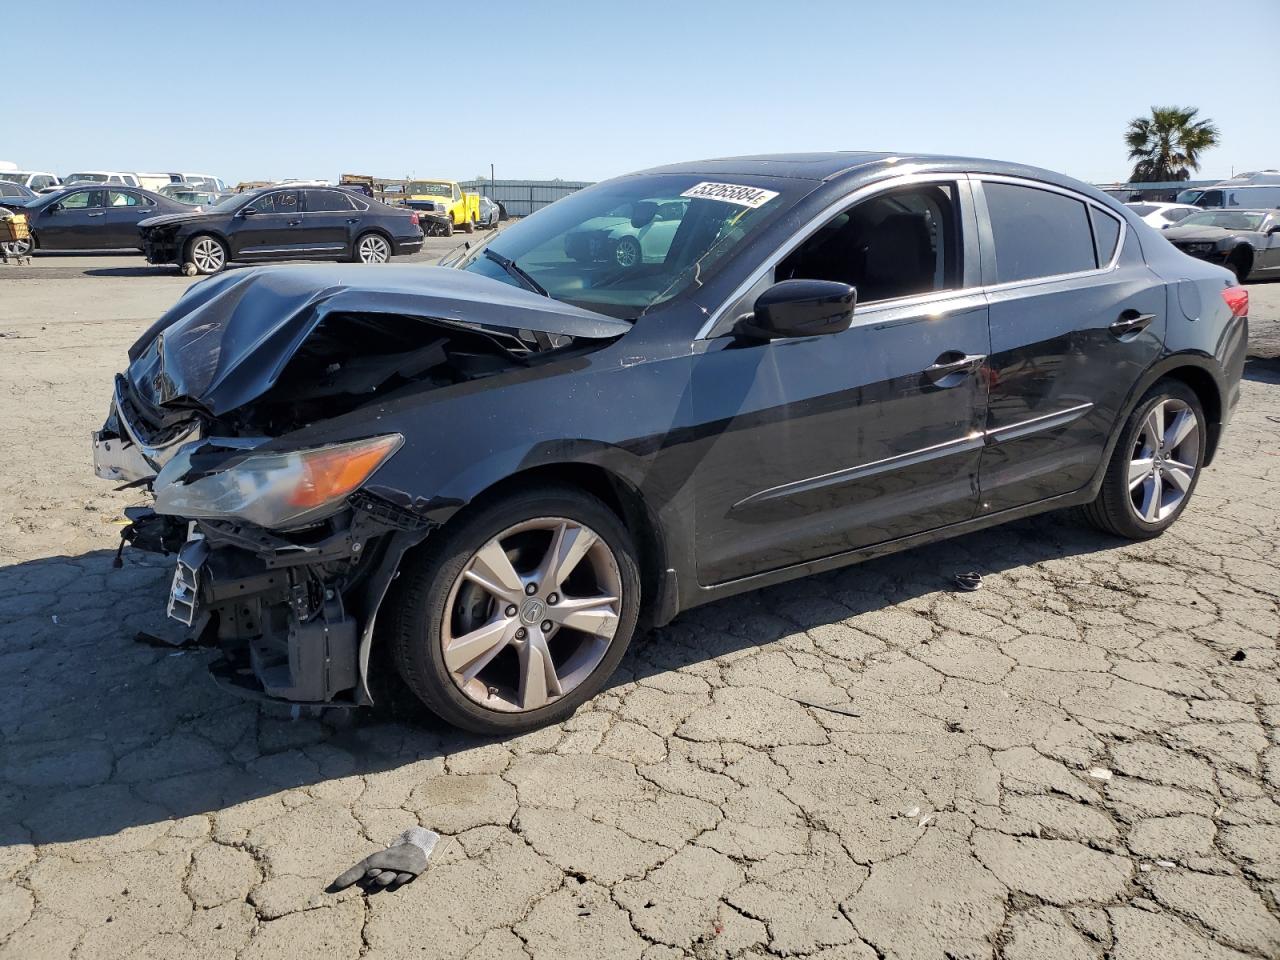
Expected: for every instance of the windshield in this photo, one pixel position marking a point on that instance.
(231, 199)
(429, 188)
(16, 177)
(626, 246)
(86, 178)
(1226, 219)
(1188, 196)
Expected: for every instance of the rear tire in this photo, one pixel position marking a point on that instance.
(469, 226)
(424, 612)
(1147, 485)
(371, 247)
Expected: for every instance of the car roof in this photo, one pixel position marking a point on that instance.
(836, 165)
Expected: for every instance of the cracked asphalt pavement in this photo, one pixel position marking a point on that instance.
(1080, 760)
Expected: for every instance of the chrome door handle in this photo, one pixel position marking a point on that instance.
(1131, 321)
(941, 368)
(98, 214)
(295, 223)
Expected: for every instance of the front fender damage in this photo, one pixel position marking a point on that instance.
(292, 614)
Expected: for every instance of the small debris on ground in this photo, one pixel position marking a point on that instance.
(969, 581)
(1238, 656)
(911, 813)
(151, 640)
(1100, 773)
(404, 859)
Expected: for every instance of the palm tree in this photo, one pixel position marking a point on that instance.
(1167, 144)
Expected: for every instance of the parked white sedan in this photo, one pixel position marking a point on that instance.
(1162, 215)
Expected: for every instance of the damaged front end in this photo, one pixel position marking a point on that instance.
(285, 549)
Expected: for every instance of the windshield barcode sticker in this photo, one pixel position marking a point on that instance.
(731, 193)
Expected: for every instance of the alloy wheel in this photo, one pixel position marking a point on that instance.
(627, 253)
(374, 249)
(532, 614)
(207, 254)
(1166, 455)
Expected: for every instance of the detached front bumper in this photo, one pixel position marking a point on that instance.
(292, 613)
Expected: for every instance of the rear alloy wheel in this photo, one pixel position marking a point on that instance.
(373, 248)
(627, 253)
(520, 614)
(1155, 465)
(19, 248)
(208, 254)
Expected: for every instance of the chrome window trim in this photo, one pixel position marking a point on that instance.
(868, 190)
(814, 224)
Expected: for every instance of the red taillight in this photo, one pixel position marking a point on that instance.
(1237, 299)
(413, 218)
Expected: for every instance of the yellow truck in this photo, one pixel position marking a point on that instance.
(446, 197)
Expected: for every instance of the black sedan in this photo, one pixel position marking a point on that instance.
(282, 223)
(1247, 242)
(89, 217)
(485, 478)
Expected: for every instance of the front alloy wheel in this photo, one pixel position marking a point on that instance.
(208, 254)
(532, 614)
(519, 613)
(372, 248)
(627, 252)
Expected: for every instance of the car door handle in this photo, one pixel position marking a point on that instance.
(1131, 321)
(98, 214)
(295, 223)
(952, 362)
(353, 219)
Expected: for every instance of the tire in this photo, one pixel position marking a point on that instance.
(20, 248)
(448, 227)
(1145, 508)
(627, 253)
(371, 247)
(1240, 263)
(207, 253)
(435, 605)
(469, 226)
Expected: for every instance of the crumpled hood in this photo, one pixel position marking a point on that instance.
(226, 341)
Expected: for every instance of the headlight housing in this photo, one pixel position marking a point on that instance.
(274, 490)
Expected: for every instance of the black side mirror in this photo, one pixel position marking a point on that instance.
(642, 213)
(1274, 230)
(800, 308)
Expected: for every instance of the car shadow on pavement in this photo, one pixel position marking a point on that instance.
(101, 734)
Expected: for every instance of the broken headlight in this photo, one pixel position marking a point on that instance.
(272, 489)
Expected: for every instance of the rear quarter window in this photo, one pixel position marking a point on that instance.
(1106, 234)
(1038, 233)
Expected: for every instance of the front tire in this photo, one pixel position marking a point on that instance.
(1155, 466)
(207, 253)
(1241, 264)
(627, 253)
(516, 616)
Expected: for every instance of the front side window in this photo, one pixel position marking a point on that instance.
(606, 248)
(281, 201)
(899, 244)
(81, 200)
(1038, 233)
(325, 201)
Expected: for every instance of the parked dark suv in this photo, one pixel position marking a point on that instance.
(282, 223)
(484, 478)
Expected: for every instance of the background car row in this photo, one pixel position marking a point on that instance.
(314, 223)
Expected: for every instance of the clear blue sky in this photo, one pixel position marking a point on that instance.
(587, 90)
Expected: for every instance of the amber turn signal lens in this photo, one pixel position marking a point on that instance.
(334, 472)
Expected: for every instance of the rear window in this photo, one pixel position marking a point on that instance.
(1038, 233)
(1142, 209)
(1106, 234)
